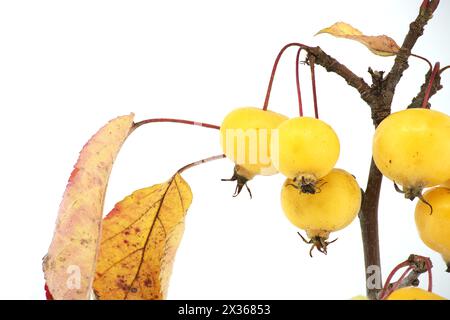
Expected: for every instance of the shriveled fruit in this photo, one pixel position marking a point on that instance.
(434, 229)
(245, 136)
(412, 293)
(306, 150)
(412, 148)
(333, 208)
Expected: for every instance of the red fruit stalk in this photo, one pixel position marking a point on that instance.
(274, 69)
(199, 162)
(297, 81)
(444, 68)
(414, 263)
(189, 122)
(430, 85)
(313, 82)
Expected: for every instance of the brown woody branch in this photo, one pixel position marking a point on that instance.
(332, 65)
(379, 97)
(416, 29)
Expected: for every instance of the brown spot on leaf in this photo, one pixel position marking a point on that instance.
(148, 282)
(122, 284)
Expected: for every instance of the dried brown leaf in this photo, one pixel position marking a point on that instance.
(381, 45)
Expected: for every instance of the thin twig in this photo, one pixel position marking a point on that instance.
(430, 85)
(417, 101)
(274, 70)
(385, 290)
(297, 81)
(188, 122)
(313, 84)
(199, 162)
(417, 265)
(399, 281)
(430, 66)
(444, 68)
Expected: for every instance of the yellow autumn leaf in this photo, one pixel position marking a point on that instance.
(70, 262)
(341, 29)
(139, 241)
(381, 45)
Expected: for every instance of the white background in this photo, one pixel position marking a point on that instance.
(67, 67)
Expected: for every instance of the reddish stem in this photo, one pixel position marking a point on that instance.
(430, 85)
(274, 69)
(427, 3)
(189, 122)
(199, 162)
(424, 5)
(313, 82)
(430, 275)
(424, 59)
(412, 263)
(444, 68)
(297, 81)
(391, 275)
(398, 283)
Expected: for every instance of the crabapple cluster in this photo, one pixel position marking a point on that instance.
(315, 197)
(410, 147)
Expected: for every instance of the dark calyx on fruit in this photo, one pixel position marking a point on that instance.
(241, 181)
(306, 185)
(413, 192)
(318, 242)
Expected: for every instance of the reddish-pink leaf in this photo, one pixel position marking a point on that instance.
(69, 265)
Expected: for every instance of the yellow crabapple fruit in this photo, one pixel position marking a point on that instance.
(305, 150)
(413, 293)
(245, 136)
(412, 148)
(332, 208)
(434, 229)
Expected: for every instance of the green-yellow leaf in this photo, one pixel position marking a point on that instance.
(139, 241)
(70, 262)
(380, 45)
